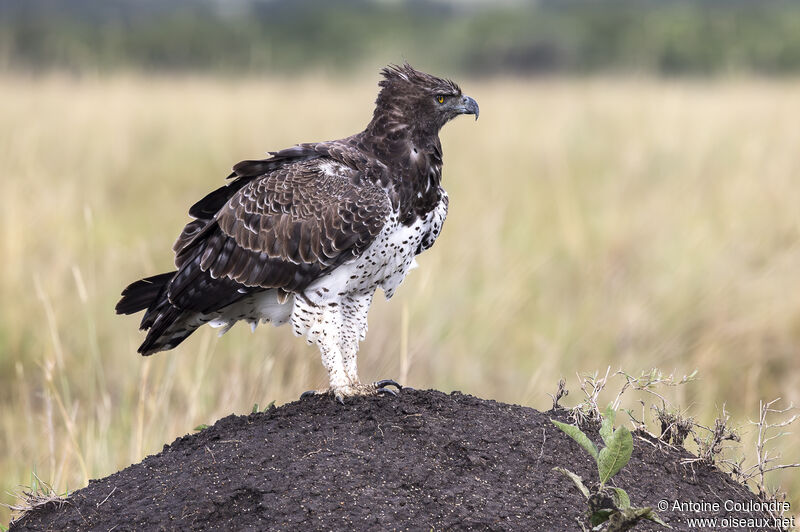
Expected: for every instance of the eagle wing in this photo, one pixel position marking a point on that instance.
(282, 229)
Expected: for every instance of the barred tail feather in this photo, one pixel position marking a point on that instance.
(170, 327)
(143, 293)
(162, 320)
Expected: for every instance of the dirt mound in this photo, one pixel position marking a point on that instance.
(420, 461)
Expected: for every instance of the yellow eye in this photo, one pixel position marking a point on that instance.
(440, 99)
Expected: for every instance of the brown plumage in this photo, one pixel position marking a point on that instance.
(275, 242)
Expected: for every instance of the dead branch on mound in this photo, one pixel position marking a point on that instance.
(560, 392)
(648, 382)
(765, 462)
(588, 412)
(676, 425)
(39, 494)
(712, 445)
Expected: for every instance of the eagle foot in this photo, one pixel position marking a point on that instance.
(380, 387)
(382, 384)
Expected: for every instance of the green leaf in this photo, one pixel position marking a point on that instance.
(621, 499)
(576, 479)
(653, 516)
(607, 426)
(270, 405)
(255, 409)
(600, 516)
(201, 427)
(607, 429)
(577, 434)
(610, 413)
(614, 457)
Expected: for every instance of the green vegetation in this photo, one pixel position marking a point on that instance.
(607, 503)
(581, 36)
(256, 410)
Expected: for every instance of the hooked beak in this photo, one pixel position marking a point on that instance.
(469, 106)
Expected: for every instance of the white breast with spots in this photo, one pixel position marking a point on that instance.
(385, 262)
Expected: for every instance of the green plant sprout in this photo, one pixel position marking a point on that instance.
(607, 503)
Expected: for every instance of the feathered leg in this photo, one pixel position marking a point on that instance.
(354, 314)
(354, 317)
(337, 329)
(321, 325)
(327, 339)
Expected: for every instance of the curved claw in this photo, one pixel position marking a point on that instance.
(340, 399)
(381, 384)
(384, 391)
(309, 393)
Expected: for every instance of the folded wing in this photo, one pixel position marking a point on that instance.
(282, 229)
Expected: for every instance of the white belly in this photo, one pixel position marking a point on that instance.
(261, 307)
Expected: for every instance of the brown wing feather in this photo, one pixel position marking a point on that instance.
(281, 230)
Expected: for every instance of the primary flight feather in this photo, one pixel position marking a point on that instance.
(309, 234)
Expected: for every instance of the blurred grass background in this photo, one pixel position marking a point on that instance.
(644, 215)
(480, 37)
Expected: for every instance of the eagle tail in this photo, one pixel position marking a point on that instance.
(143, 293)
(162, 320)
(168, 329)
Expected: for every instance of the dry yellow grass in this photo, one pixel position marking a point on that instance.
(592, 223)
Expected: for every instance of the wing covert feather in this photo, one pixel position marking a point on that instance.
(285, 228)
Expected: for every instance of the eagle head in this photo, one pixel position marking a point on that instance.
(421, 100)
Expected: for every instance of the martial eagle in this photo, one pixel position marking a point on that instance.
(308, 234)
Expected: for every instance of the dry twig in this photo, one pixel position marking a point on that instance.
(765, 462)
(560, 392)
(39, 494)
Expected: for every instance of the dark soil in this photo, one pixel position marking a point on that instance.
(420, 461)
